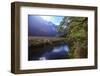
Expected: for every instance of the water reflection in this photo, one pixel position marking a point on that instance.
(49, 52)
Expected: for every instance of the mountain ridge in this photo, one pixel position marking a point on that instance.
(40, 27)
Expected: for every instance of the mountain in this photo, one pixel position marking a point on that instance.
(40, 27)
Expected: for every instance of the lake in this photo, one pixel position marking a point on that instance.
(49, 52)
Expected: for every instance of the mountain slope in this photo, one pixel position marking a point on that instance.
(39, 27)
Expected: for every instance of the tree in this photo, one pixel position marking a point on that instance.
(75, 30)
(62, 28)
(77, 37)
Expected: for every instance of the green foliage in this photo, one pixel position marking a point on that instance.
(75, 31)
(62, 28)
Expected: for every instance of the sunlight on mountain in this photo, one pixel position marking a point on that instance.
(47, 18)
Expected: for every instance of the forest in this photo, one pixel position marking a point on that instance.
(75, 31)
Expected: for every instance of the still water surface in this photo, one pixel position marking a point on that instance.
(49, 52)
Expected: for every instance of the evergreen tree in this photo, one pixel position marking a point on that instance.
(75, 30)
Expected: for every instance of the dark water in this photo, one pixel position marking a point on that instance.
(48, 52)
